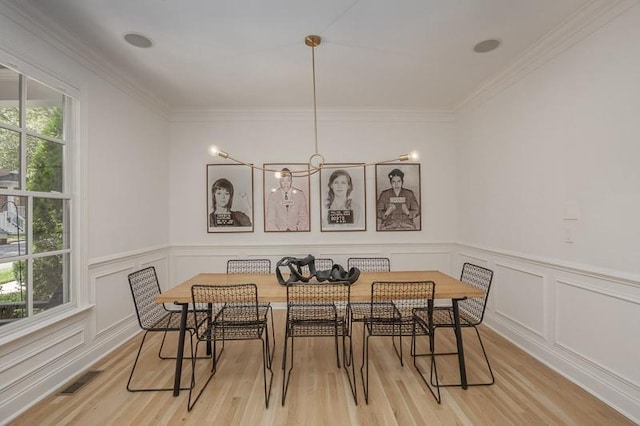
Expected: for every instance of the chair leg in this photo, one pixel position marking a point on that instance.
(190, 403)
(269, 343)
(433, 371)
(164, 357)
(286, 374)
(335, 336)
(348, 362)
(135, 364)
(364, 368)
(266, 365)
(215, 354)
(393, 340)
(273, 337)
(486, 358)
(164, 336)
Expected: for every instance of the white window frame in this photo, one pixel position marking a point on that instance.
(71, 186)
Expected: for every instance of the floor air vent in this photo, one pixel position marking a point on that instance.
(82, 380)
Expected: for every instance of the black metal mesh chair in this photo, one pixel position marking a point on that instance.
(370, 264)
(248, 266)
(234, 314)
(390, 313)
(153, 317)
(471, 313)
(319, 310)
(251, 266)
(366, 264)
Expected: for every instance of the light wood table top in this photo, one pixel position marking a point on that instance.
(269, 290)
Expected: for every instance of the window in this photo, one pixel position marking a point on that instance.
(35, 249)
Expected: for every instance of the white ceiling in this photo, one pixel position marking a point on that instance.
(409, 54)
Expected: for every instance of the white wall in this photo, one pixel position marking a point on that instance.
(128, 173)
(557, 152)
(120, 212)
(287, 137)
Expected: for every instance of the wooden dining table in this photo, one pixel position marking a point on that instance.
(269, 290)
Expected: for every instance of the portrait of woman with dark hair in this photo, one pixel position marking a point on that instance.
(222, 214)
(397, 207)
(340, 210)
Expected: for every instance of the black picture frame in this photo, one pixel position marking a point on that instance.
(286, 210)
(398, 210)
(348, 211)
(236, 180)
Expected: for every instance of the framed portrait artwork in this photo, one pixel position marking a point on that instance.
(343, 197)
(286, 198)
(229, 198)
(398, 197)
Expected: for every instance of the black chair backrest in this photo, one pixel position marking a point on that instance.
(473, 308)
(370, 264)
(234, 303)
(144, 289)
(393, 304)
(248, 266)
(397, 300)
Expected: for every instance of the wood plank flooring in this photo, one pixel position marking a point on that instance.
(525, 392)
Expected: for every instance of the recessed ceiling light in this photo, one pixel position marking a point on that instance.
(138, 40)
(486, 46)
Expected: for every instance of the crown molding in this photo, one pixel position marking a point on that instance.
(194, 115)
(47, 31)
(11, 59)
(577, 27)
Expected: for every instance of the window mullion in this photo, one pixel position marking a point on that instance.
(23, 133)
(29, 262)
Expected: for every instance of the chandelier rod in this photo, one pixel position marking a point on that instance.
(314, 41)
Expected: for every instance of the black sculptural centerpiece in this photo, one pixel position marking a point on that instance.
(295, 265)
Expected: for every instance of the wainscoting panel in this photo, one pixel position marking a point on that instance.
(602, 329)
(518, 297)
(113, 297)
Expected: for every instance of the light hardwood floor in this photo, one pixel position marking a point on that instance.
(525, 392)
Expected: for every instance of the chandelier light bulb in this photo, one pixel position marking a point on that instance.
(215, 151)
(414, 156)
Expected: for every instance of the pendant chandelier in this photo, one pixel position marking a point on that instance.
(316, 161)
